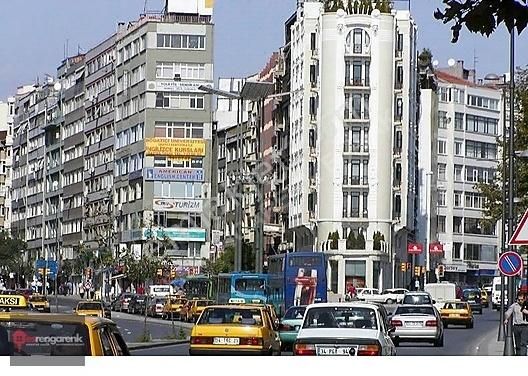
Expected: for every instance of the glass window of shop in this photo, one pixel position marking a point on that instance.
(177, 189)
(375, 274)
(355, 272)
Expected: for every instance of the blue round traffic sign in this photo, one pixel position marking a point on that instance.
(510, 263)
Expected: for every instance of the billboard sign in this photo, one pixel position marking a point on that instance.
(202, 7)
(177, 205)
(174, 147)
(174, 174)
(183, 235)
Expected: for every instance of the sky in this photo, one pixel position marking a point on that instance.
(34, 33)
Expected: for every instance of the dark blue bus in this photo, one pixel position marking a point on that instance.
(296, 278)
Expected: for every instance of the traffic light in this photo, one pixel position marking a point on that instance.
(403, 267)
(423, 270)
(408, 266)
(160, 272)
(441, 270)
(417, 270)
(173, 274)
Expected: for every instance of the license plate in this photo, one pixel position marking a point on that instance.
(226, 341)
(454, 315)
(414, 323)
(336, 351)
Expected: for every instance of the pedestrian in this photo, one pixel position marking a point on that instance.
(81, 290)
(520, 325)
(69, 286)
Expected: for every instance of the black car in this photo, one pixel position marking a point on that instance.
(472, 296)
(137, 304)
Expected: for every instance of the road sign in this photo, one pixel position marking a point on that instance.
(414, 248)
(436, 248)
(88, 285)
(520, 236)
(510, 264)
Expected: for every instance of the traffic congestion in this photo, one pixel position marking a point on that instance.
(287, 311)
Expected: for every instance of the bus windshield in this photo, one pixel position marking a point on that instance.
(256, 284)
(304, 261)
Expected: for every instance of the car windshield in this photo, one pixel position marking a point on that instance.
(340, 317)
(294, 313)
(202, 303)
(414, 311)
(417, 299)
(455, 306)
(89, 306)
(231, 316)
(43, 339)
(471, 294)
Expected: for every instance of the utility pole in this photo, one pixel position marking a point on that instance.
(239, 187)
(259, 185)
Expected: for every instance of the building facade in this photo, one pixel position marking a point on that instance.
(7, 111)
(468, 124)
(353, 98)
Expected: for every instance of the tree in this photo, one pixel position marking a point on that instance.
(483, 16)
(351, 242)
(492, 192)
(335, 240)
(10, 252)
(361, 242)
(378, 238)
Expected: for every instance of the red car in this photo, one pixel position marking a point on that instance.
(26, 292)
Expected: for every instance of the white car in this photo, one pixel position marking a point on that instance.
(417, 323)
(346, 329)
(389, 296)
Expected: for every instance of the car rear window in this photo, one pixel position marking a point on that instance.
(294, 313)
(38, 299)
(455, 306)
(89, 306)
(417, 299)
(25, 338)
(340, 317)
(231, 316)
(414, 311)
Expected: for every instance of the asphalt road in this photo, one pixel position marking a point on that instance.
(131, 326)
(457, 341)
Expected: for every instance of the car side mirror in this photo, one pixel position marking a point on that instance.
(434, 301)
(392, 329)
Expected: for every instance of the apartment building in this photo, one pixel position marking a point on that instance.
(7, 110)
(352, 139)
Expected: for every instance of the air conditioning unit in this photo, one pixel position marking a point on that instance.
(177, 77)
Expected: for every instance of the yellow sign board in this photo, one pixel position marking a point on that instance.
(174, 147)
(13, 301)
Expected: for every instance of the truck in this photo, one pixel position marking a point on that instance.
(496, 293)
(441, 292)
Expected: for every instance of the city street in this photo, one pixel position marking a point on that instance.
(458, 341)
(130, 326)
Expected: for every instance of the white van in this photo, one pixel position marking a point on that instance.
(441, 292)
(496, 293)
(159, 290)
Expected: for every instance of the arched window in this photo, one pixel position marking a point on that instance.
(357, 42)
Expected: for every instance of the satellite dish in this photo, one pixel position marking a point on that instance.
(435, 63)
(57, 86)
(451, 62)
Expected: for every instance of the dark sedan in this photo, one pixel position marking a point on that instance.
(472, 296)
(137, 304)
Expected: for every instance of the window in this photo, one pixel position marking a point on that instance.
(441, 223)
(456, 250)
(441, 198)
(181, 41)
(457, 225)
(480, 124)
(458, 95)
(459, 148)
(445, 94)
(442, 171)
(186, 71)
(473, 200)
(459, 121)
(179, 130)
(458, 173)
(458, 199)
(483, 102)
(442, 147)
(179, 101)
(480, 150)
(345, 204)
(442, 120)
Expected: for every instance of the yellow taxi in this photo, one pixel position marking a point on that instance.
(46, 334)
(39, 303)
(484, 298)
(173, 307)
(457, 313)
(234, 330)
(12, 302)
(194, 308)
(92, 308)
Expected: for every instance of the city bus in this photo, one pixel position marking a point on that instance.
(295, 279)
(199, 286)
(242, 288)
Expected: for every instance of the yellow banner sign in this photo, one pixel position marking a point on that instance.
(174, 147)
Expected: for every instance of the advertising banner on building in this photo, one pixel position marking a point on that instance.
(174, 147)
(176, 86)
(182, 235)
(177, 205)
(174, 174)
(202, 7)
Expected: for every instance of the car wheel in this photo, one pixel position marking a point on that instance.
(446, 325)
(470, 325)
(389, 301)
(396, 342)
(439, 342)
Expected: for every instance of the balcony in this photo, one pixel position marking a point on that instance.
(396, 152)
(354, 115)
(357, 50)
(355, 181)
(357, 83)
(398, 85)
(398, 54)
(355, 148)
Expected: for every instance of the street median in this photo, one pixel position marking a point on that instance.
(155, 343)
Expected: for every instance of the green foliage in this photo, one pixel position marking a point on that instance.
(225, 263)
(351, 242)
(483, 16)
(492, 192)
(361, 241)
(378, 238)
(335, 240)
(10, 252)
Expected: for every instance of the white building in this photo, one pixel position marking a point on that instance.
(467, 125)
(6, 162)
(353, 138)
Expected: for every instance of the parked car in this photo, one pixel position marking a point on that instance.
(389, 296)
(137, 303)
(367, 294)
(417, 323)
(121, 303)
(155, 307)
(348, 329)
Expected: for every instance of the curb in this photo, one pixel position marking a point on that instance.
(150, 345)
